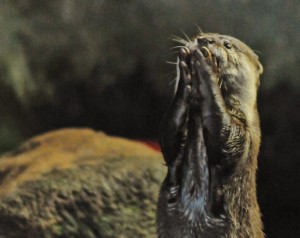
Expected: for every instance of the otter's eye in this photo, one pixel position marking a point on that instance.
(227, 45)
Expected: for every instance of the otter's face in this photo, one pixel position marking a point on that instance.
(238, 65)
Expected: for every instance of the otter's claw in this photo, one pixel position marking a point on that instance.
(183, 53)
(205, 51)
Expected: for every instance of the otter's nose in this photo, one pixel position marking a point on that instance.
(203, 41)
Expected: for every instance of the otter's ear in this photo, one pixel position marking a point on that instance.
(260, 68)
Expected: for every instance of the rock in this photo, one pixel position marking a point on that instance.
(79, 183)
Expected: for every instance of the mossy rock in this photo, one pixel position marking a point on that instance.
(79, 183)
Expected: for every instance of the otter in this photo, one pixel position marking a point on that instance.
(210, 140)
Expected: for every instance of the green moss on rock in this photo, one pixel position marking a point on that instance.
(91, 194)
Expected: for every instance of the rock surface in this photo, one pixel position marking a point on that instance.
(79, 183)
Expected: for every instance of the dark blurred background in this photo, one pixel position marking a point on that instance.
(102, 64)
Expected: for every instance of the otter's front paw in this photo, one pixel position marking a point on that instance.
(184, 84)
(206, 65)
(207, 73)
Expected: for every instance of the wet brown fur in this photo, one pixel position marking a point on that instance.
(240, 141)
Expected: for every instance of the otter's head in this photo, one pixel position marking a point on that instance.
(238, 66)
